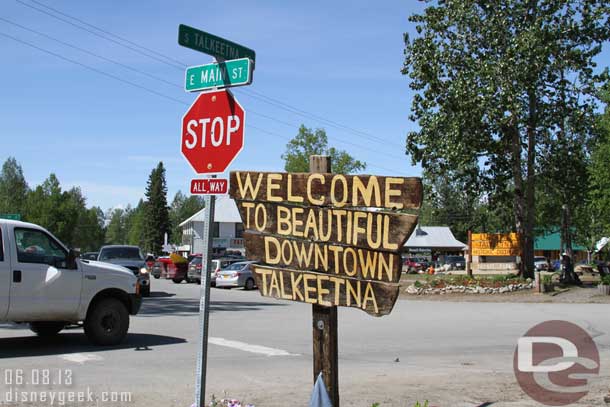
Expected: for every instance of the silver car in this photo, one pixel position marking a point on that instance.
(195, 266)
(237, 275)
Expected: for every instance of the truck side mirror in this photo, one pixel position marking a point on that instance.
(71, 260)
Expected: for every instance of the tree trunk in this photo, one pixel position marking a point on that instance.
(530, 182)
(518, 198)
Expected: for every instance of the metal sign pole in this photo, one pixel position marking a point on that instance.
(204, 303)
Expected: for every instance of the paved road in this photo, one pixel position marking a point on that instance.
(454, 354)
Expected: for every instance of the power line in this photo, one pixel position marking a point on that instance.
(135, 85)
(137, 50)
(90, 53)
(316, 117)
(152, 51)
(117, 78)
(128, 67)
(288, 139)
(181, 65)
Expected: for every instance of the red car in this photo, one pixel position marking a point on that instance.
(172, 271)
(414, 265)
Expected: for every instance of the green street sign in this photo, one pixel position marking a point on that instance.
(10, 216)
(210, 44)
(237, 72)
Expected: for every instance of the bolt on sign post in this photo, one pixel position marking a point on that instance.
(328, 240)
(212, 136)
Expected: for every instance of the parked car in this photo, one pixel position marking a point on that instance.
(237, 275)
(131, 258)
(50, 287)
(195, 266)
(194, 272)
(171, 270)
(414, 264)
(150, 262)
(455, 263)
(556, 265)
(89, 256)
(190, 257)
(540, 263)
(157, 267)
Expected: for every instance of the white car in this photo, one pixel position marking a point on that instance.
(540, 263)
(46, 285)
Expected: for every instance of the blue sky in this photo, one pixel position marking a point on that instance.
(339, 61)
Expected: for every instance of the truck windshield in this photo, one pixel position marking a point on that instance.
(131, 253)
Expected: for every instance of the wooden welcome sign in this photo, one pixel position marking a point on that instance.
(327, 239)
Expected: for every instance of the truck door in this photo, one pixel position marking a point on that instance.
(42, 286)
(5, 275)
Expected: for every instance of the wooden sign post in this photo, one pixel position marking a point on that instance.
(325, 337)
(328, 240)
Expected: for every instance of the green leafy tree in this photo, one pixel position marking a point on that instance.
(599, 172)
(182, 208)
(449, 204)
(64, 213)
(157, 212)
(54, 209)
(13, 188)
(308, 143)
(89, 234)
(136, 225)
(116, 232)
(497, 89)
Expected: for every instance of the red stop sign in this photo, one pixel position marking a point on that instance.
(213, 132)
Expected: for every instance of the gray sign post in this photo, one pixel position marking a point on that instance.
(204, 302)
(222, 50)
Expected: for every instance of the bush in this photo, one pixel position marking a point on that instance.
(605, 280)
(547, 279)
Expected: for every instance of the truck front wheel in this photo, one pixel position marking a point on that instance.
(47, 329)
(107, 322)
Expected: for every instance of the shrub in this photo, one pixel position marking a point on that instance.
(605, 280)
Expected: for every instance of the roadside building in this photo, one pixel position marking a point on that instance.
(433, 243)
(549, 246)
(227, 229)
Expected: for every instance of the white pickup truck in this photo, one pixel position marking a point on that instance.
(44, 284)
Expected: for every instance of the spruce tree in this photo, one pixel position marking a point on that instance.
(157, 211)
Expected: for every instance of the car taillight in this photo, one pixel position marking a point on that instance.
(198, 266)
(236, 274)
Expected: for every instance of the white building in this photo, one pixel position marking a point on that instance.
(434, 240)
(227, 229)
